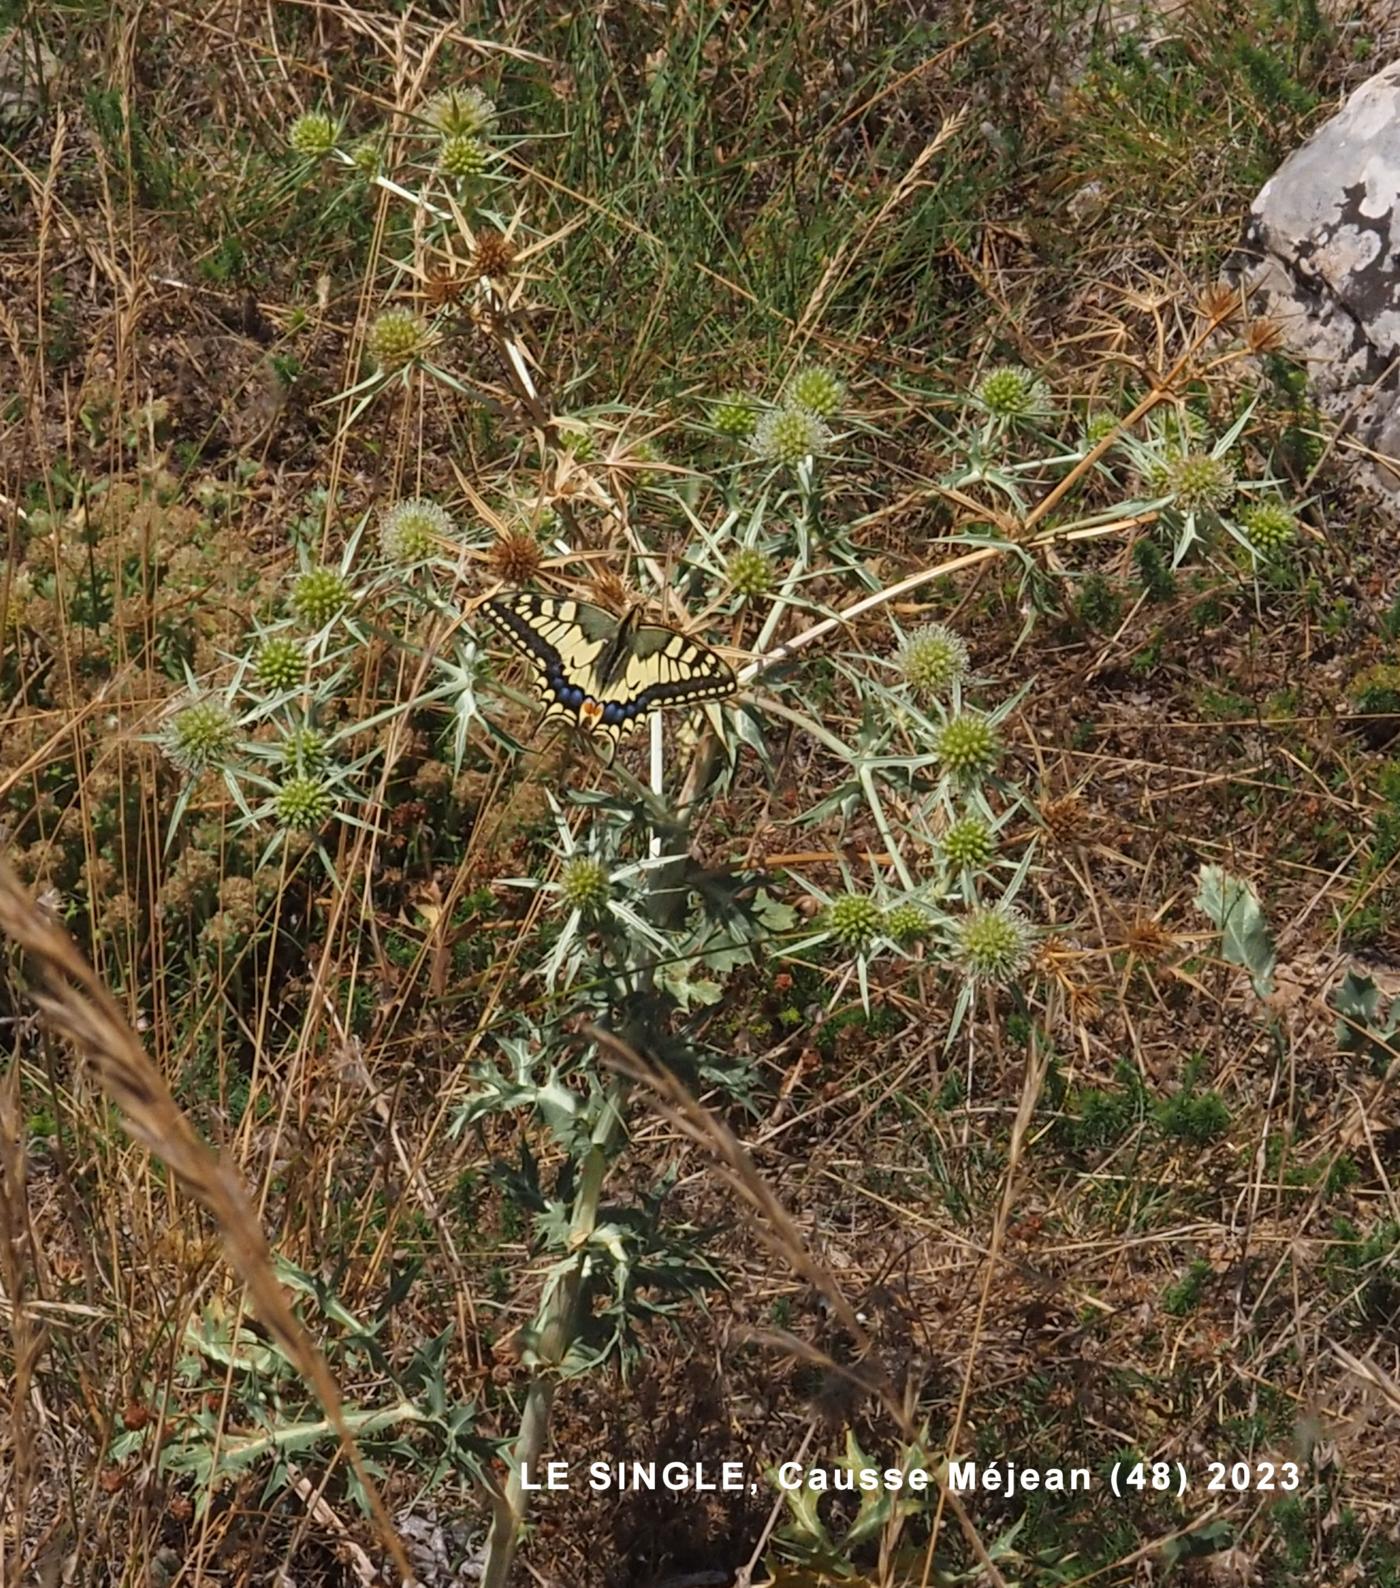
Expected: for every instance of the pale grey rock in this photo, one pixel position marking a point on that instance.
(1322, 259)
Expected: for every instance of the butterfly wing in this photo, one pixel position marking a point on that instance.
(665, 668)
(601, 675)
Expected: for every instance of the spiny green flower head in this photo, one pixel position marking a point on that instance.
(462, 155)
(932, 660)
(313, 135)
(969, 843)
(1014, 392)
(749, 571)
(579, 443)
(413, 529)
(318, 595)
(642, 454)
(789, 436)
(993, 944)
(817, 390)
(303, 804)
(368, 155)
(855, 921)
(396, 338)
(1269, 526)
(583, 885)
(280, 663)
(968, 746)
(201, 734)
(735, 415)
(460, 110)
(1200, 482)
(304, 751)
(906, 923)
(1096, 427)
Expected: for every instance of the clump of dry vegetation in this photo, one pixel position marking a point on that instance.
(970, 1042)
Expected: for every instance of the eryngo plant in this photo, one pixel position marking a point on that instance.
(745, 530)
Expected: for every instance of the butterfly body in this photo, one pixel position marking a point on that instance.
(603, 674)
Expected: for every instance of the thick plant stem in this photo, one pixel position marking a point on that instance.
(556, 1327)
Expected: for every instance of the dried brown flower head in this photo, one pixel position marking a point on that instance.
(516, 556)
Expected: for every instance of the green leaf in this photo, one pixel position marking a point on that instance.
(1245, 939)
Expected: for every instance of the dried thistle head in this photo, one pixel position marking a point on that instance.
(494, 255)
(610, 591)
(1263, 335)
(1219, 302)
(1146, 938)
(516, 556)
(1068, 820)
(442, 286)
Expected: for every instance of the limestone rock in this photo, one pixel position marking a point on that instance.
(1322, 259)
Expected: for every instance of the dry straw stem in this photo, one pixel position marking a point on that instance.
(777, 1229)
(74, 1002)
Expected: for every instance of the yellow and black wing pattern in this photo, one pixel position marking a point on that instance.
(601, 674)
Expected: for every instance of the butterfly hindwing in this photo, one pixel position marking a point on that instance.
(601, 674)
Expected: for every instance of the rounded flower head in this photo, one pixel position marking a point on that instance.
(968, 746)
(303, 804)
(993, 944)
(493, 255)
(969, 843)
(1014, 392)
(906, 923)
(855, 921)
(790, 435)
(817, 390)
(735, 415)
(583, 884)
(1269, 526)
(749, 571)
(459, 110)
(201, 733)
(313, 135)
(413, 529)
(932, 660)
(304, 751)
(368, 155)
(1199, 481)
(462, 155)
(1096, 427)
(396, 338)
(578, 441)
(516, 556)
(318, 595)
(280, 663)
